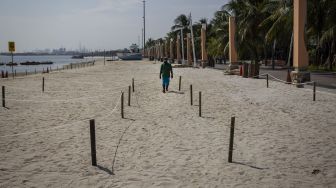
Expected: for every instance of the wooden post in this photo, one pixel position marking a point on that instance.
(231, 139)
(267, 80)
(200, 103)
(3, 97)
(129, 95)
(122, 105)
(26, 72)
(314, 92)
(104, 57)
(133, 84)
(43, 84)
(191, 95)
(93, 142)
(12, 65)
(180, 83)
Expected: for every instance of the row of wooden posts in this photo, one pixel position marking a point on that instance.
(92, 122)
(129, 94)
(232, 127)
(93, 134)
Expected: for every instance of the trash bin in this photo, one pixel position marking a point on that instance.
(245, 69)
(251, 70)
(256, 70)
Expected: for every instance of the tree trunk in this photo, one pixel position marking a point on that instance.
(330, 55)
(290, 52)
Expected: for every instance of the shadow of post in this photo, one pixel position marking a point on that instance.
(105, 170)
(244, 164)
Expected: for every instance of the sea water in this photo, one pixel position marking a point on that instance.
(58, 61)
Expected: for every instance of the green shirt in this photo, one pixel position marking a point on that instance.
(165, 70)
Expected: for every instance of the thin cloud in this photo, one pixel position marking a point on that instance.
(108, 6)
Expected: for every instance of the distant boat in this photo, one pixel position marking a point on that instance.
(11, 64)
(77, 57)
(132, 54)
(36, 63)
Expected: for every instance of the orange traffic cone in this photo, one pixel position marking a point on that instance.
(289, 79)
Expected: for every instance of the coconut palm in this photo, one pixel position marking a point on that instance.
(321, 27)
(250, 35)
(218, 40)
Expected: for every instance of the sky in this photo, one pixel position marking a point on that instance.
(93, 24)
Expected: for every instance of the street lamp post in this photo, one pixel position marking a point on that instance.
(192, 40)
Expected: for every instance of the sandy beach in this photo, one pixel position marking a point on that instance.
(282, 137)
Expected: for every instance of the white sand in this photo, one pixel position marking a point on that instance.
(281, 135)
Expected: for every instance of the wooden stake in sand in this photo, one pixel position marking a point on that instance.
(191, 95)
(93, 142)
(26, 72)
(129, 95)
(267, 80)
(200, 103)
(231, 139)
(314, 92)
(43, 84)
(3, 97)
(104, 57)
(180, 83)
(133, 84)
(122, 105)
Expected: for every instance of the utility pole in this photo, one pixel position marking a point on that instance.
(142, 39)
(144, 26)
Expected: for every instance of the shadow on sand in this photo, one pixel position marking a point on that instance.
(177, 92)
(244, 164)
(105, 170)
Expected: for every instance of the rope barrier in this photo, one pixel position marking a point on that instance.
(64, 91)
(62, 126)
(60, 100)
(282, 81)
(83, 82)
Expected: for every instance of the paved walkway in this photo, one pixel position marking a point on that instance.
(327, 81)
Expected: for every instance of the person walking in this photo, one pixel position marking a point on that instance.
(166, 72)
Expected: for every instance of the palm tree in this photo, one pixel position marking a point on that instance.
(150, 43)
(218, 40)
(278, 25)
(250, 35)
(181, 21)
(321, 30)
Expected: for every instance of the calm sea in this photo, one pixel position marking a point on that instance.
(58, 61)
